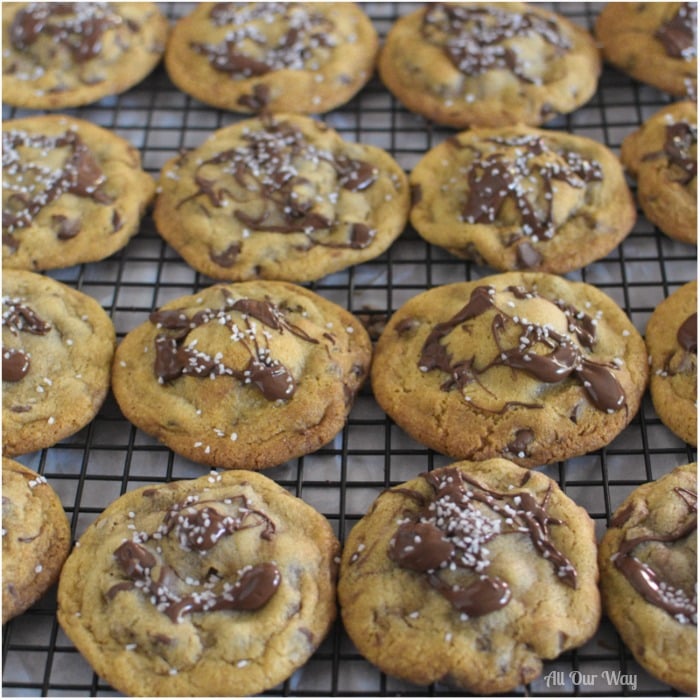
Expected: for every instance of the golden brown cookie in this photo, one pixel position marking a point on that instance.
(282, 197)
(648, 576)
(72, 192)
(35, 537)
(222, 585)
(527, 366)
(489, 64)
(67, 54)
(57, 349)
(672, 341)
(243, 375)
(663, 157)
(522, 198)
(273, 56)
(654, 42)
(470, 575)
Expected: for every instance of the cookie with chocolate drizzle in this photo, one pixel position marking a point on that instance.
(72, 192)
(489, 64)
(36, 537)
(648, 576)
(662, 155)
(527, 366)
(672, 341)
(281, 197)
(654, 42)
(57, 349)
(218, 586)
(470, 575)
(273, 56)
(67, 54)
(243, 375)
(522, 198)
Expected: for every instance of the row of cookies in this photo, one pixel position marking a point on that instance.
(527, 366)
(286, 197)
(472, 575)
(473, 64)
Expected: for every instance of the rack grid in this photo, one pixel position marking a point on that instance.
(110, 457)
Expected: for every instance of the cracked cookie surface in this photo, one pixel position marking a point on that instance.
(57, 349)
(58, 55)
(654, 42)
(222, 585)
(522, 198)
(527, 366)
(36, 537)
(273, 56)
(662, 155)
(243, 375)
(479, 64)
(72, 192)
(672, 340)
(648, 576)
(470, 575)
(282, 197)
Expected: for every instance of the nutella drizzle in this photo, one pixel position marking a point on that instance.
(196, 526)
(18, 318)
(473, 38)
(647, 582)
(451, 532)
(265, 169)
(496, 177)
(565, 357)
(247, 51)
(174, 358)
(30, 186)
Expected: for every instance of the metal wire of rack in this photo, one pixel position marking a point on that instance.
(110, 457)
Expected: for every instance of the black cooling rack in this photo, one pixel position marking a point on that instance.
(110, 457)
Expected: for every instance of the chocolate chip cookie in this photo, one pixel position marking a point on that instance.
(221, 585)
(273, 56)
(470, 575)
(243, 375)
(522, 198)
(57, 349)
(663, 157)
(489, 64)
(648, 572)
(526, 366)
(654, 42)
(672, 340)
(72, 192)
(35, 537)
(67, 54)
(281, 197)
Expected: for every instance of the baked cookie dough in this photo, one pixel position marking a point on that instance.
(243, 375)
(654, 42)
(489, 64)
(672, 341)
(470, 575)
(72, 192)
(663, 157)
(648, 572)
(35, 537)
(67, 54)
(57, 349)
(217, 586)
(273, 56)
(281, 197)
(522, 198)
(526, 366)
